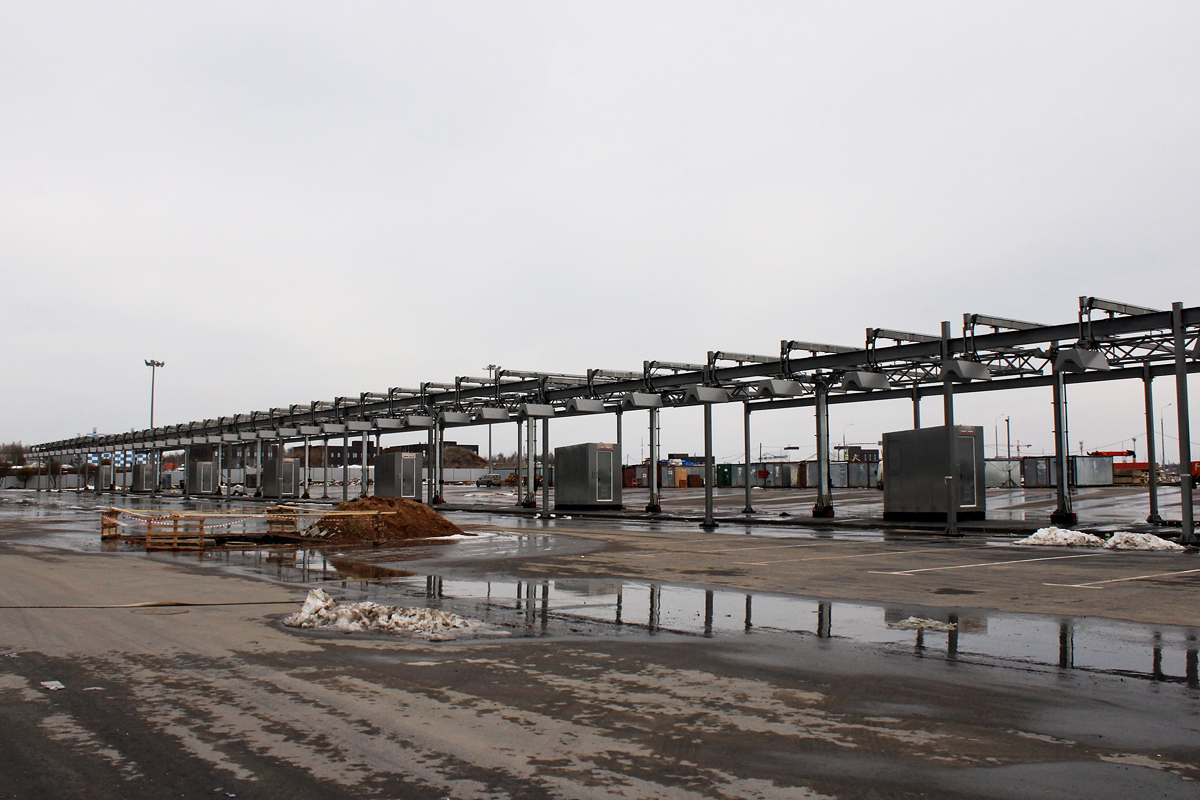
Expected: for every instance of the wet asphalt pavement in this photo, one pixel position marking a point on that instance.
(620, 661)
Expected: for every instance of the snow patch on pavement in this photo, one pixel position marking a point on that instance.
(1124, 540)
(1061, 537)
(1121, 540)
(322, 611)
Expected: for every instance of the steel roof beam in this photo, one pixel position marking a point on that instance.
(791, 345)
(1108, 330)
(1087, 304)
(999, 323)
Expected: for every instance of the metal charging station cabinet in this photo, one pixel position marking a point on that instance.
(916, 464)
(275, 476)
(142, 478)
(587, 476)
(200, 477)
(398, 475)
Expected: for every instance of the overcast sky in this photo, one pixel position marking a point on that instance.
(293, 201)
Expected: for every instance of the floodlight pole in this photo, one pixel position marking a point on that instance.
(154, 454)
(153, 365)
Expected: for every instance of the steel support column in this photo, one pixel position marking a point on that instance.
(621, 437)
(1151, 455)
(824, 505)
(257, 469)
(439, 439)
(325, 469)
(916, 400)
(187, 472)
(430, 471)
(307, 468)
(219, 466)
(951, 437)
(1063, 514)
(280, 449)
(364, 464)
(345, 468)
(654, 506)
(545, 469)
(709, 473)
(520, 465)
(1184, 423)
(530, 500)
(749, 509)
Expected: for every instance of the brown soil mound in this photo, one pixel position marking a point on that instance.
(407, 520)
(454, 457)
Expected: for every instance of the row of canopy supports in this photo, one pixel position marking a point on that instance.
(821, 384)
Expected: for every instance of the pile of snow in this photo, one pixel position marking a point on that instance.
(1124, 540)
(1121, 540)
(1061, 537)
(322, 611)
(919, 624)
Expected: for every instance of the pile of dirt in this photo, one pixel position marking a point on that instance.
(455, 457)
(405, 519)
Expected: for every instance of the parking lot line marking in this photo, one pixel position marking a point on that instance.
(856, 555)
(1098, 584)
(728, 550)
(986, 564)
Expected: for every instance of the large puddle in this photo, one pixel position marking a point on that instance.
(564, 606)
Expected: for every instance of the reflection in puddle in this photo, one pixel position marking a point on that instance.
(557, 606)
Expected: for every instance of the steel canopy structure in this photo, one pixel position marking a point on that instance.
(1106, 341)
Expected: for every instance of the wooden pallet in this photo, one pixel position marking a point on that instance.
(109, 528)
(175, 533)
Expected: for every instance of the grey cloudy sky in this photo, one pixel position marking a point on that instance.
(291, 201)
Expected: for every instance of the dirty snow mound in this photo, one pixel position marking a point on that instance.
(1124, 540)
(322, 611)
(919, 624)
(1061, 537)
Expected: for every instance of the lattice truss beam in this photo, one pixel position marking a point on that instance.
(1105, 336)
